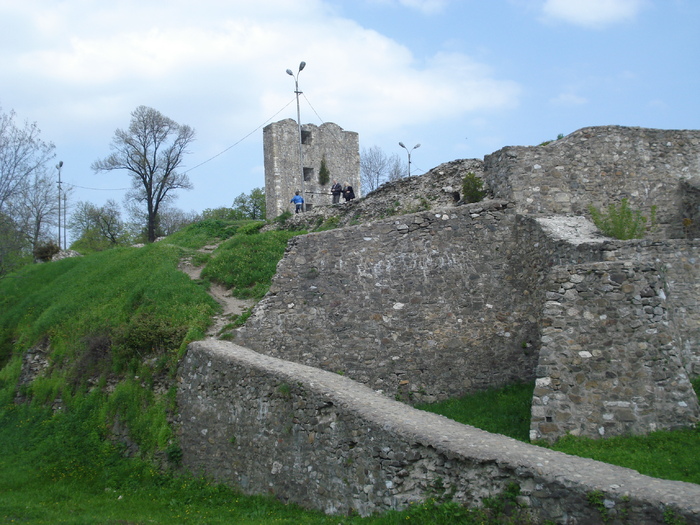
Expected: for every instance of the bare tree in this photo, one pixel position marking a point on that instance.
(376, 168)
(36, 207)
(23, 159)
(173, 219)
(22, 153)
(109, 223)
(397, 169)
(151, 150)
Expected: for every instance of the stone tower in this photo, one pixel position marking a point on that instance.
(339, 148)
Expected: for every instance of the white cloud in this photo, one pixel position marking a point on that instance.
(568, 99)
(230, 66)
(594, 14)
(79, 68)
(425, 6)
(428, 7)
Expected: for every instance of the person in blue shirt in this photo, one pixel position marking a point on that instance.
(299, 201)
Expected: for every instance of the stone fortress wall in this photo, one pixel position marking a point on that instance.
(602, 165)
(442, 302)
(618, 329)
(323, 441)
(339, 148)
(405, 305)
(457, 299)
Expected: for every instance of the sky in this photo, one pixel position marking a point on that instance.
(462, 78)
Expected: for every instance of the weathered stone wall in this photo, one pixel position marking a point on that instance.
(690, 208)
(610, 362)
(679, 264)
(599, 166)
(423, 307)
(341, 150)
(548, 242)
(323, 441)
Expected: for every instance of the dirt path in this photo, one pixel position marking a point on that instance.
(231, 305)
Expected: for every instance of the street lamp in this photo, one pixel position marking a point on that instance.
(302, 65)
(58, 167)
(409, 155)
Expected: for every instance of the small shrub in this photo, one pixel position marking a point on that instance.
(687, 226)
(559, 137)
(423, 204)
(472, 188)
(174, 454)
(282, 217)
(251, 228)
(621, 222)
(671, 518)
(285, 390)
(239, 320)
(45, 251)
(391, 210)
(93, 361)
(329, 224)
(324, 174)
(597, 500)
(145, 334)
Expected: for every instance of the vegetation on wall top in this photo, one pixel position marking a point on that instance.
(472, 188)
(621, 221)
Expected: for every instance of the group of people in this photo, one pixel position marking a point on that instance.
(337, 190)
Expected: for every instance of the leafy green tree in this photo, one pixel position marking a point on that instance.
(251, 206)
(14, 249)
(98, 228)
(220, 214)
(151, 150)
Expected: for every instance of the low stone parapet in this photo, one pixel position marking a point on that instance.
(323, 441)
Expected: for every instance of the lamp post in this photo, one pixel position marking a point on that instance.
(409, 155)
(58, 167)
(302, 65)
(65, 220)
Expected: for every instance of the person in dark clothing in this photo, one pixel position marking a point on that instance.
(336, 191)
(348, 193)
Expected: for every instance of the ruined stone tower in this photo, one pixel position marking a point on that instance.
(340, 149)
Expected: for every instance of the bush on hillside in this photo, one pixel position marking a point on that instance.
(472, 188)
(45, 251)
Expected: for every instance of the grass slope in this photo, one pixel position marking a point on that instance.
(673, 455)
